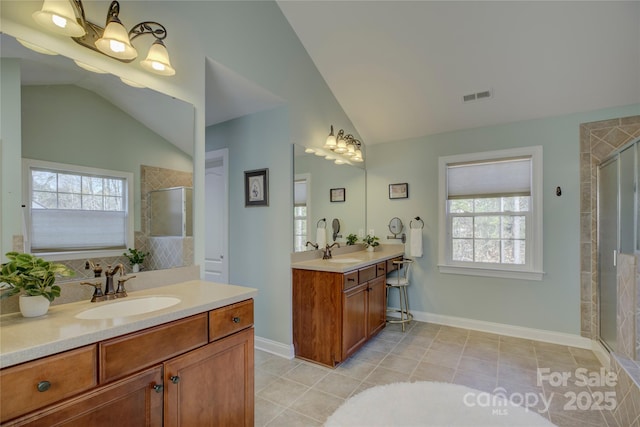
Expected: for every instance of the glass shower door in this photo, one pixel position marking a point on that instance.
(608, 244)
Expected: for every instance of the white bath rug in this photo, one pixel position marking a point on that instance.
(434, 404)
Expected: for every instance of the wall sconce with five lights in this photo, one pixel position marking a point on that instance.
(67, 17)
(345, 145)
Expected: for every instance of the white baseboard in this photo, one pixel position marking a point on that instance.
(274, 347)
(287, 351)
(504, 329)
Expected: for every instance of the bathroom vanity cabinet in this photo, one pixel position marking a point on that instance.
(194, 371)
(334, 314)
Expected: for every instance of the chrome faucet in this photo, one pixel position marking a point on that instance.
(327, 251)
(315, 245)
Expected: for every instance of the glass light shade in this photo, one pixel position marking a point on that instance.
(157, 60)
(339, 162)
(351, 150)
(357, 157)
(309, 150)
(341, 147)
(36, 48)
(329, 157)
(89, 67)
(115, 41)
(319, 153)
(331, 142)
(59, 16)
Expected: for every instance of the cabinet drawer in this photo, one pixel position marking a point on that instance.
(130, 353)
(67, 374)
(350, 280)
(232, 318)
(366, 274)
(391, 266)
(381, 269)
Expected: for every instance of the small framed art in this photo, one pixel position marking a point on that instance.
(256, 187)
(337, 195)
(399, 191)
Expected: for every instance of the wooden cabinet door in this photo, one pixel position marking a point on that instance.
(377, 305)
(131, 402)
(354, 318)
(317, 327)
(213, 385)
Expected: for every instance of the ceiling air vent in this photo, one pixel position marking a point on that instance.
(485, 94)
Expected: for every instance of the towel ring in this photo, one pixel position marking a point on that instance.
(416, 219)
(323, 221)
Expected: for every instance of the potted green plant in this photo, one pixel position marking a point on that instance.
(136, 258)
(352, 239)
(371, 242)
(34, 279)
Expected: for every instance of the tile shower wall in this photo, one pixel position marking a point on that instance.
(627, 306)
(597, 141)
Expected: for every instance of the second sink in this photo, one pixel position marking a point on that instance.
(128, 307)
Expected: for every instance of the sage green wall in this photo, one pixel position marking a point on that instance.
(11, 191)
(69, 124)
(260, 237)
(551, 304)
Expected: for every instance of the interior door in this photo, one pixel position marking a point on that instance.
(608, 247)
(216, 262)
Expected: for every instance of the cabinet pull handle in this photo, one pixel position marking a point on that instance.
(236, 320)
(158, 388)
(43, 386)
(351, 279)
(174, 379)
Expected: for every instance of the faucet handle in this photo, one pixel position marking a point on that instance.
(121, 292)
(97, 292)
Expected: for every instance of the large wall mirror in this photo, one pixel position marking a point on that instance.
(323, 192)
(73, 116)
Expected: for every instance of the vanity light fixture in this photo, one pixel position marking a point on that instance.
(67, 17)
(345, 145)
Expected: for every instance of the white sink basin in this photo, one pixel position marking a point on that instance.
(128, 307)
(344, 260)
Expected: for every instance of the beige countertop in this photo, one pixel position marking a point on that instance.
(360, 259)
(23, 339)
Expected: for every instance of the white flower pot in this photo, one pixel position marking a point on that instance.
(135, 268)
(371, 248)
(33, 306)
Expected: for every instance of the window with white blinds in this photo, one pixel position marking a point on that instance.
(76, 210)
(491, 213)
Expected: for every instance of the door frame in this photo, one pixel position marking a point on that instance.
(222, 153)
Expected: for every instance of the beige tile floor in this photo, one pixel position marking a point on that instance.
(299, 393)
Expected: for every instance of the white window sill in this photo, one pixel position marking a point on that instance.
(489, 272)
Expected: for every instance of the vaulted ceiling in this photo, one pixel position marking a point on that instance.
(400, 69)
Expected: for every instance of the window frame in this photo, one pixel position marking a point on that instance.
(28, 164)
(307, 178)
(533, 268)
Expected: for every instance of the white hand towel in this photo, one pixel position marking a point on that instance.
(321, 237)
(415, 245)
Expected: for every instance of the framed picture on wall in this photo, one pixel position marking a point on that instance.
(256, 187)
(399, 191)
(337, 195)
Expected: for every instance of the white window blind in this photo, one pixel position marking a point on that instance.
(489, 179)
(59, 230)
